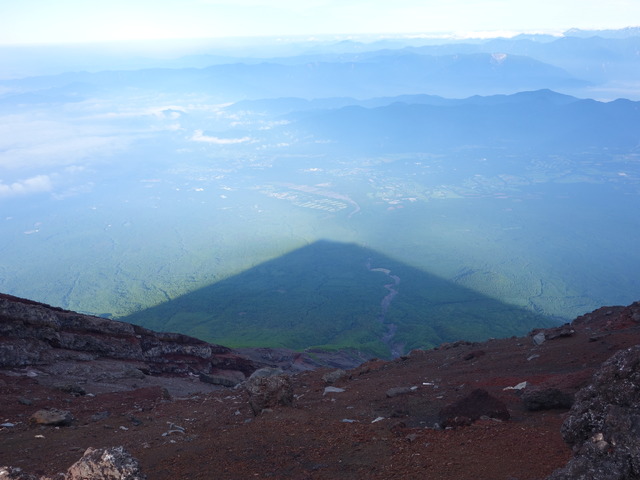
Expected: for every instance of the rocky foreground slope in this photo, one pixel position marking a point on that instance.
(108, 355)
(563, 400)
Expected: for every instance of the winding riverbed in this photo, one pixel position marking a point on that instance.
(395, 348)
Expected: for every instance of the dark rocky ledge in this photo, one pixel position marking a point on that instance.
(38, 335)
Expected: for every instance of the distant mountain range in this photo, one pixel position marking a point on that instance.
(582, 62)
(617, 33)
(381, 75)
(540, 120)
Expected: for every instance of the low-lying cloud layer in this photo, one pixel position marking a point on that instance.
(37, 184)
(199, 136)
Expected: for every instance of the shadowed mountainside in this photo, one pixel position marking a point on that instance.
(334, 295)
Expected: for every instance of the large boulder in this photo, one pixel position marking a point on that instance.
(603, 426)
(267, 388)
(52, 417)
(334, 376)
(470, 408)
(113, 463)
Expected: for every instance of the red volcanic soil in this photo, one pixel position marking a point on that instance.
(357, 433)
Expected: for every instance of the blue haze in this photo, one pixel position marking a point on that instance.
(509, 167)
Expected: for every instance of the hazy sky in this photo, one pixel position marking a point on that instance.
(60, 21)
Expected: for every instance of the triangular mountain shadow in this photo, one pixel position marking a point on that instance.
(335, 295)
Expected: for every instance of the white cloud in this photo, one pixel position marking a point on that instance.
(62, 152)
(198, 136)
(37, 184)
(30, 142)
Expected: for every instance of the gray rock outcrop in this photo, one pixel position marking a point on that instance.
(36, 334)
(603, 426)
(113, 463)
(334, 376)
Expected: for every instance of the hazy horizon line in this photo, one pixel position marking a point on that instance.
(322, 37)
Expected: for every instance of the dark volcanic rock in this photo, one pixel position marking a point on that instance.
(96, 417)
(559, 332)
(470, 408)
(546, 399)
(474, 354)
(604, 423)
(539, 336)
(220, 378)
(334, 376)
(36, 334)
(396, 391)
(75, 390)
